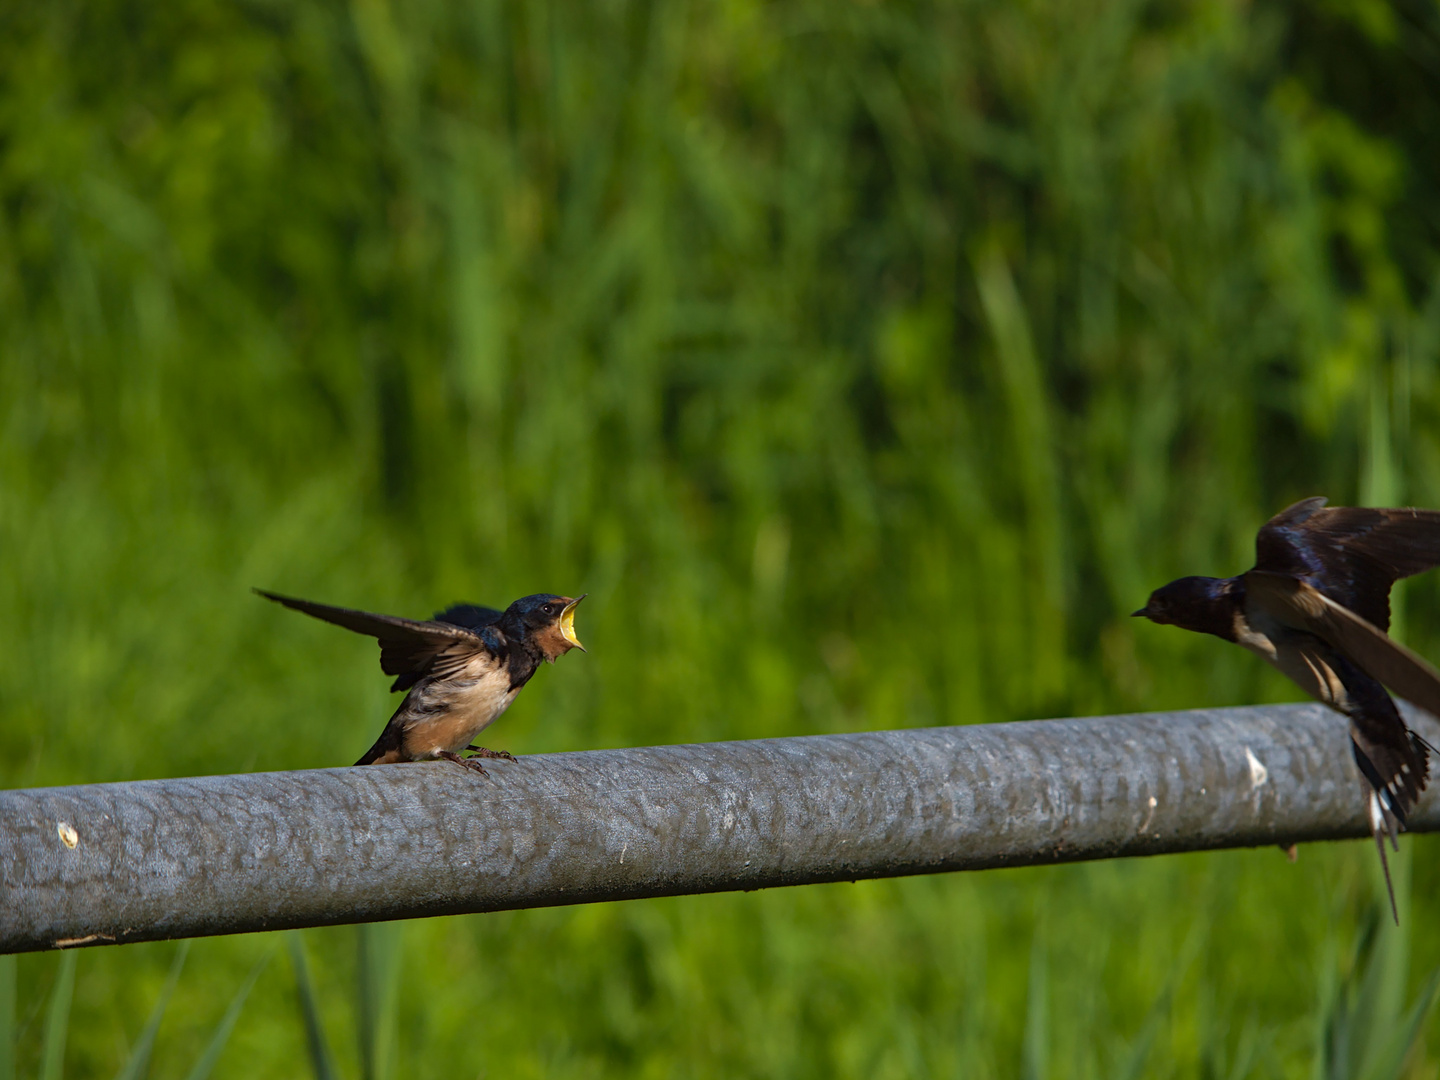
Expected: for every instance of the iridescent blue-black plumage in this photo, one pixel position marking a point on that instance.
(1317, 605)
(1351, 554)
(1206, 605)
(470, 616)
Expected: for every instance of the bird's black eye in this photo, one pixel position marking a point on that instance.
(552, 609)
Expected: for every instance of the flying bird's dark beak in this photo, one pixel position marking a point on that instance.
(567, 622)
(1145, 611)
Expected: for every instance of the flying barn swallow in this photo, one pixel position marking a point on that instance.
(1317, 606)
(462, 669)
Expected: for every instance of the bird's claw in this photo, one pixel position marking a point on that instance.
(482, 752)
(469, 763)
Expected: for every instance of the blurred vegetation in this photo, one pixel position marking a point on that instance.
(867, 363)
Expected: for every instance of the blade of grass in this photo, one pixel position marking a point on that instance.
(57, 1020)
(1036, 1061)
(1159, 1011)
(377, 978)
(1247, 1050)
(320, 1059)
(1134, 1066)
(1389, 1062)
(222, 1031)
(7, 1018)
(1378, 1000)
(139, 1062)
(1366, 1029)
(1329, 1011)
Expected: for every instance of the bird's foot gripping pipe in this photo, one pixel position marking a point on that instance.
(469, 763)
(501, 755)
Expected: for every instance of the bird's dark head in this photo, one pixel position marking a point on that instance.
(1204, 604)
(546, 621)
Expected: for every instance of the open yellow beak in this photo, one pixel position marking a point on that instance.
(567, 622)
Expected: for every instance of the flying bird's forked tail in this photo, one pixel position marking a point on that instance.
(1403, 756)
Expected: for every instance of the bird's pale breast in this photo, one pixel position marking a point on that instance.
(451, 712)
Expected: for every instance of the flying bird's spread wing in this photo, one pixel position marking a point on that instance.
(470, 616)
(1305, 607)
(408, 649)
(1352, 554)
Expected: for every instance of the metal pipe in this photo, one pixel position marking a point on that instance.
(206, 855)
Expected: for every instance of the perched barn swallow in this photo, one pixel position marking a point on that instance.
(1317, 606)
(462, 669)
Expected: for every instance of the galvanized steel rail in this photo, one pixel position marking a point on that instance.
(228, 854)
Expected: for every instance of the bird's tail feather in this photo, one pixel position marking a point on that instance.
(370, 756)
(1396, 769)
(1383, 823)
(387, 746)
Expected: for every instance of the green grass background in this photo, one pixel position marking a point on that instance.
(866, 362)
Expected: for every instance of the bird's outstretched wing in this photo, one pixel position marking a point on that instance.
(408, 648)
(470, 616)
(1352, 554)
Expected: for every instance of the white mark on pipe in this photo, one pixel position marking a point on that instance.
(68, 836)
(624, 848)
(1150, 816)
(1258, 773)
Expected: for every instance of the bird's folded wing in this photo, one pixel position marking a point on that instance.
(406, 646)
(1304, 607)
